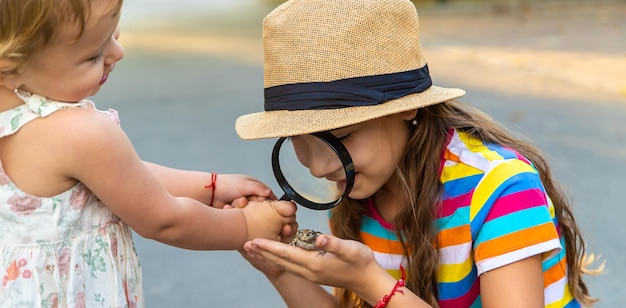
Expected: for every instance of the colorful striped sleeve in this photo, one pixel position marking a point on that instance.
(510, 218)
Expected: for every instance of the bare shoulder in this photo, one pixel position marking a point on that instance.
(79, 134)
(83, 125)
(44, 156)
(89, 140)
(85, 145)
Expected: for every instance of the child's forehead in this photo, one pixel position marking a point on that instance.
(340, 130)
(101, 10)
(72, 30)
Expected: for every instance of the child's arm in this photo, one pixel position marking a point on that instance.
(98, 153)
(196, 185)
(518, 284)
(299, 292)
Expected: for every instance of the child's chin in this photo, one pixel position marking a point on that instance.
(357, 195)
(95, 91)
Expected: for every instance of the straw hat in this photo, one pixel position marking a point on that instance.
(335, 63)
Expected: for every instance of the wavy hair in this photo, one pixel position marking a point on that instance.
(26, 26)
(421, 194)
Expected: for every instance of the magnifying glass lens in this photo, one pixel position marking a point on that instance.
(295, 168)
(315, 170)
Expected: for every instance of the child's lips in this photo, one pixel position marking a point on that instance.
(341, 184)
(103, 79)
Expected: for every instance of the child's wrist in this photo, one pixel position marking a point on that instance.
(211, 186)
(397, 289)
(259, 219)
(376, 286)
(247, 221)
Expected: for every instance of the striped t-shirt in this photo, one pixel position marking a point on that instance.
(494, 212)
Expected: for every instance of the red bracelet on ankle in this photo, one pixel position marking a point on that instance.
(212, 186)
(382, 302)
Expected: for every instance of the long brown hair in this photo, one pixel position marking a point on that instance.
(421, 192)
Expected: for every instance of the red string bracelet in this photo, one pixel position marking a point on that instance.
(212, 186)
(382, 302)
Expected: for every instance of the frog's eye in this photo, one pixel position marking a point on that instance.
(310, 233)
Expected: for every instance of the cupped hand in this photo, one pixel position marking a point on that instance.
(344, 264)
(232, 187)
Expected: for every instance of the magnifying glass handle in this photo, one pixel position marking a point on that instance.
(285, 198)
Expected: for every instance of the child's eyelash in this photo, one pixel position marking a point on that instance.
(344, 137)
(95, 58)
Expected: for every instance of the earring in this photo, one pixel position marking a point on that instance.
(414, 122)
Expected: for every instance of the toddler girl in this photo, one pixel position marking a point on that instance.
(71, 183)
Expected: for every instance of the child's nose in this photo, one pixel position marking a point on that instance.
(324, 162)
(114, 51)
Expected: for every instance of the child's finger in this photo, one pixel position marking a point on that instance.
(239, 202)
(289, 232)
(284, 208)
(344, 249)
(257, 198)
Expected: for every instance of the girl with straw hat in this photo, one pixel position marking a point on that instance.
(448, 209)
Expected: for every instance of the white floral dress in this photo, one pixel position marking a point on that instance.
(64, 251)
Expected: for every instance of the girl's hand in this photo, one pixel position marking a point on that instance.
(269, 269)
(345, 263)
(231, 187)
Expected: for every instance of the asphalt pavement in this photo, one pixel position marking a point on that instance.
(553, 73)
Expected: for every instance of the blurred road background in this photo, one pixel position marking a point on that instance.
(552, 71)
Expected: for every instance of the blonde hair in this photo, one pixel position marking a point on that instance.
(29, 25)
(421, 192)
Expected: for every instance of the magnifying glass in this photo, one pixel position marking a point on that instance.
(302, 164)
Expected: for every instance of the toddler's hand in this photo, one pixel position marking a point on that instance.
(241, 202)
(275, 220)
(287, 233)
(289, 230)
(229, 188)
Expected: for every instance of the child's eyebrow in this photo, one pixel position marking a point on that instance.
(342, 129)
(108, 37)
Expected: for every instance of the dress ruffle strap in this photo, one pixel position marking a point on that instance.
(44, 106)
(35, 106)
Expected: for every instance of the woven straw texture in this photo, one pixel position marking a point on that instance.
(327, 40)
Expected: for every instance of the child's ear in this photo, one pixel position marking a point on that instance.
(409, 115)
(8, 73)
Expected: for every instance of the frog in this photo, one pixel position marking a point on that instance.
(305, 238)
